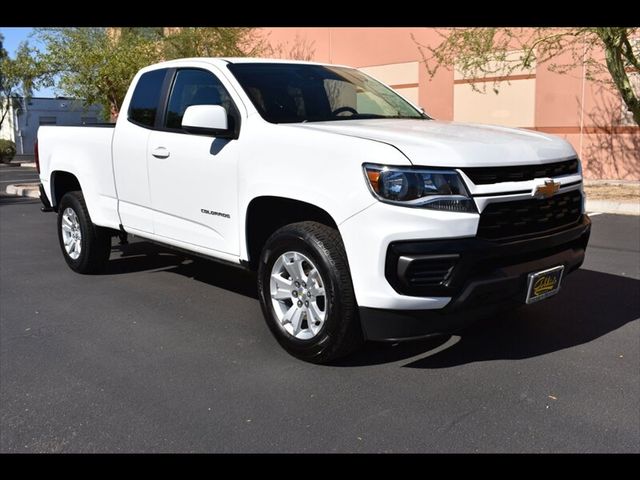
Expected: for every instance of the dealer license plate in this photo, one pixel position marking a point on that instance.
(544, 284)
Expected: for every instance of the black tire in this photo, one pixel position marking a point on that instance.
(341, 332)
(95, 242)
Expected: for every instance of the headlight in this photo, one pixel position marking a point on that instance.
(419, 187)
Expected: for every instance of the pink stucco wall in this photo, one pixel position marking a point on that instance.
(584, 112)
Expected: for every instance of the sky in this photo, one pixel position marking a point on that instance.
(12, 39)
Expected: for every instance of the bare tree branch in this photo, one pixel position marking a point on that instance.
(478, 53)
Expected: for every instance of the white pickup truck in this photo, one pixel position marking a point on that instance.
(365, 218)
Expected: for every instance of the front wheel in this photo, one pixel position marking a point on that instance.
(306, 293)
(85, 246)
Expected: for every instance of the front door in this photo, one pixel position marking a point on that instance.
(130, 147)
(193, 178)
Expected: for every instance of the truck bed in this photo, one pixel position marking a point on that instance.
(86, 151)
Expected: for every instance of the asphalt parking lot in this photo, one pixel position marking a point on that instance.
(164, 353)
(15, 174)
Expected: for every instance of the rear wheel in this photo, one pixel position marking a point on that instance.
(306, 292)
(85, 246)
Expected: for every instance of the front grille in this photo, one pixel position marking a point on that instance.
(487, 175)
(429, 272)
(524, 217)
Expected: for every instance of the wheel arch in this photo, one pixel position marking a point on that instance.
(265, 214)
(62, 182)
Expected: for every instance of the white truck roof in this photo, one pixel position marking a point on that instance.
(219, 61)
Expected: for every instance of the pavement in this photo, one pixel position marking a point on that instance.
(19, 179)
(164, 353)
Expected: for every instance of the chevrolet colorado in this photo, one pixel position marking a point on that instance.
(364, 218)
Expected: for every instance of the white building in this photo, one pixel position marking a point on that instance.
(22, 122)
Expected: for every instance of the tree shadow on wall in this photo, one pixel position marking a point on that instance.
(610, 154)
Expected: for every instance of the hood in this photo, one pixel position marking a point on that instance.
(452, 144)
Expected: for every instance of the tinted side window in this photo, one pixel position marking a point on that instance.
(195, 87)
(145, 99)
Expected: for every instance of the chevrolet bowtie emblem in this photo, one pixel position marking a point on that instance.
(549, 189)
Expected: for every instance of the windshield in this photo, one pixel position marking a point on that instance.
(291, 93)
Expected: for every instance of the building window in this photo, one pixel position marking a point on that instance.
(47, 121)
(88, 120)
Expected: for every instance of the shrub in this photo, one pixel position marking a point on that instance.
(7, 150)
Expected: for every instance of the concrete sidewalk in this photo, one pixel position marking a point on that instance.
(24, 190)
(613, 196)
(28, 163)
(21, 161)
(613, 206)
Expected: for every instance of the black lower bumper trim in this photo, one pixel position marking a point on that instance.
(381, 325)
(485, 292)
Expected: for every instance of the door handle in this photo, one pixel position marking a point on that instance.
(160, 152)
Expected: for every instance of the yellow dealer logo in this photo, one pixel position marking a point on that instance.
(544, 284)
(549, 189)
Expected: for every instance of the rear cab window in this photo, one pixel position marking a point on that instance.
(146, 98)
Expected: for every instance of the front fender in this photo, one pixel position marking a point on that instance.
(320, 168)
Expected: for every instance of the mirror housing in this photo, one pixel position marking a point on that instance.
(207, 120)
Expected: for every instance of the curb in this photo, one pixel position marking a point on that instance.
(613, 206)
(20, 164)
(621, 183)
(31, 190)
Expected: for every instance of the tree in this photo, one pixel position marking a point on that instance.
(489, 52)
(301, 49)
(16, 77)
(187, 42)
(95, 64)
(98, 64)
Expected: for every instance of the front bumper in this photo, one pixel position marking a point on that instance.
(488, 276)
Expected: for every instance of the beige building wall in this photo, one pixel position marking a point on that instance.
(7, 132)
(513, 106)
(508, 101)
(402, 77)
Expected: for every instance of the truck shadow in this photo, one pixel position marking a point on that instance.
(141, 256)
(6, 199)
(591, 304)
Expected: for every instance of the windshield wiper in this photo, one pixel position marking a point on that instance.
(362, 116)
(359, 116)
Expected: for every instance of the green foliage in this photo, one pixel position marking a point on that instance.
(16, 77)
(498, 52)
(94, 64)
(98, 64)
(7, 150)
(212, 42)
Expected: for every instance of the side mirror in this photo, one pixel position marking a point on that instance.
(206, 120)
